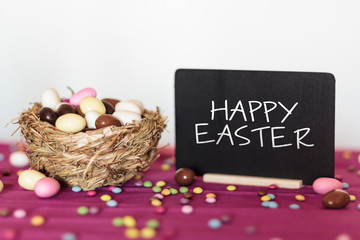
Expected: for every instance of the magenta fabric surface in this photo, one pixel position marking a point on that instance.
(249, 219)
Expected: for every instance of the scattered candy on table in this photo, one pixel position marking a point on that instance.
(198, 190)
(37, 221)
(324, 185)
(47, 187)
(19, 159)
(336, 199)
(184, 176)
(76, 189)
(29, 178)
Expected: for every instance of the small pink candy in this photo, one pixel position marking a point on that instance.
(77, 97)
(111, 188)
(324, 185)
(160, 210)
(273, 186)
(91, 193)
(47, 187)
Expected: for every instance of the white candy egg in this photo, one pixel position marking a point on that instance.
(19, 159)
(28, 178)
(138, 103)
(91, 117)
(50, 98)
(127, 117)
(127, 106)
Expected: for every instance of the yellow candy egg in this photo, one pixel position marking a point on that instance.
(1, 185)
(92, 104)
(28, 179)
(70, 123)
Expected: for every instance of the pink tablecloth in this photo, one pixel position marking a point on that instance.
(249, 220)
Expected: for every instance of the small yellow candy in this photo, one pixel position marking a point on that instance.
(160, 183)
(129, 221)
(1, 185)
(166, 192)
(352, 198)
(37, 221)
(148, 233)
(156, 203)
(105, 197)
(165, 167)
(231, 188)
(210, 195)
(132, 233)
(198, 190)
(265, 198)
(300, 198)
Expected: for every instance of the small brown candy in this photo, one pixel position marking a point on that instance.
(78, 111)
(107, 120)
(111, 100)
(184, 176)
(261, 193)
(64, 109)
(336, 199)
(48, 115)
(110, 109)
(188, 195)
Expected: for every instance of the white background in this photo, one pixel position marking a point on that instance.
(131, 49)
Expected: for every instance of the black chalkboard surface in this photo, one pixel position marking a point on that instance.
(255, 123)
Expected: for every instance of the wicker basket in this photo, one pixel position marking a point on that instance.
(91, 159)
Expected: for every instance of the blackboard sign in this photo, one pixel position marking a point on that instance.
(255, 123)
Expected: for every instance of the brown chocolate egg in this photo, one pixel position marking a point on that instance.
(113, 101)
(184, 176)
(110, 109)
(78, 111)
(48, 115)
(336, 199)
(106, 120)
(64, 109)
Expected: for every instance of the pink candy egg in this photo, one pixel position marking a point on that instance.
(77, 97)
(47, 187)
(324, 185)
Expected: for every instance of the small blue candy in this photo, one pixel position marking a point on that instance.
(111, 203)
(214, 223)
(68, 236)
(76, 189)
(272, 196)
(2, 157)
(273, 204)
(265, 204)
(294, 206)
(358, 206)
(345, 185)
(116, 190)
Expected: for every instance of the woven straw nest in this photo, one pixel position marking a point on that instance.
(91, 159)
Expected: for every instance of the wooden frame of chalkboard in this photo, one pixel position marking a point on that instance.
(255, 123)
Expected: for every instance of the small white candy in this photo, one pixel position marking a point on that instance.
(19, 213)
(127, 106)
(50, 98)
(138, 103)
(91, 117)
(19, 159)
(126, 117)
